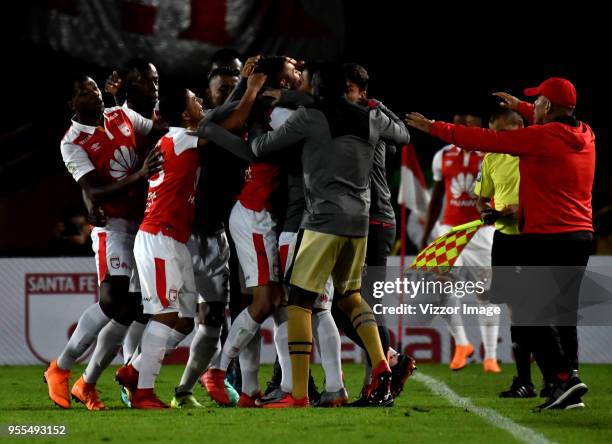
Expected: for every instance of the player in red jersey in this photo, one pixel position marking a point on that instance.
(99, 152)
(455, 172)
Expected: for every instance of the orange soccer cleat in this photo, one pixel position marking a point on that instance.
(247, 401)
(462, 353)
(214, 382)
(146, 399)
(127, 376)
(57, 381)
(288, 401)
(86, 394)
(491, 366)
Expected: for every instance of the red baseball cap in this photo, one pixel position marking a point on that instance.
(557, 90)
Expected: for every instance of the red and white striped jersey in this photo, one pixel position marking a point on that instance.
(111, 151)
(172, 191)
(458, 169)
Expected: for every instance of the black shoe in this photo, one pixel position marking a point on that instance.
(565, 394)
(405, 367)
(574, 402)
(547, 389)
(519, 389)
(313, 392)
(380, 395)
(363, 399)
(275, 381)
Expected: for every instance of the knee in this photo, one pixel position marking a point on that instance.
(213, 314)
(348, 300)
(302, 298)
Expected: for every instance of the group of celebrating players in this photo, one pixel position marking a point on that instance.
(286, 166)
(285, 160)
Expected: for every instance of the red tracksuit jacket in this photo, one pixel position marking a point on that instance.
(557, 166)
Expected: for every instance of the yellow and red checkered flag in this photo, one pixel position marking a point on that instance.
(442, 253)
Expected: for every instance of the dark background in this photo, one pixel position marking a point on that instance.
(428, 58)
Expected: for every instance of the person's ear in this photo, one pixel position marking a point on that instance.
(70, 104)
(284, 84)
(208, 93)
(363, 94)
(186, 116)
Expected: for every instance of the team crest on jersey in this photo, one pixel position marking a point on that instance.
(172, 294)
(95, 146)
(115, 263)
(125, 129)
(124, 162)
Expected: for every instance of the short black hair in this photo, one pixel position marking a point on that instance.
(272, 68)
(357, 74)
(75, 84)
(224, 56)
(222, 71)
(505, 114)
(172, 104)
(328, 81)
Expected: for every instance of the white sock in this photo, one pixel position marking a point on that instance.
(454, 321)
(153, 346)
(109, 342)
(176, 337)
(215, 361)
(249, 366)
(132, 340)
(90, 323)
(204, 345)
(329, 349)
(243, 329)
(281, 343)
(489, 329)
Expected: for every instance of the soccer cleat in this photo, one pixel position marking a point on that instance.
(288, 401)
(490, 365)
(380, 392)
(401, 371)
(547, 389)
(565, 394)
(86, 394)
(574, 402)
(338, 398)
(214, 383)
(313, 391)
(146, 399)
(184, 400)
(273, 396)
(363, 399)
(247, 401)
(127, 377)
(57, 381)
(462, 353)
(519, 390)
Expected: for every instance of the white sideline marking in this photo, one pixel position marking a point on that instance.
(521, 433)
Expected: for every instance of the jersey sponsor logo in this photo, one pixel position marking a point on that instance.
(95, 146)
(56, 299)
(173, 295)
(462, 184)
(124, 163)
(115, 263)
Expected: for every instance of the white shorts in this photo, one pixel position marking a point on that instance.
(210, 256)
(476, 256)
(286, 251)
(113, 247)
(256, 246)
(166, 275)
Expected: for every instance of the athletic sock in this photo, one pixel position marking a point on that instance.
(249, 360)
(299, 334)
(522, 353)
(282, 349)
(154, 342)
(328, 342)
(204, 345)
(215, 361)
(90, 323)
(176, 337)
(243, 329)
(132, 340)
(109, 342)
(489, 330)
(363, 320)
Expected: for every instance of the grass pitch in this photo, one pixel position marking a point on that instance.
(419, 416)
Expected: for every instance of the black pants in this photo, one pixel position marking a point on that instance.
(380, 242)
(566, 255)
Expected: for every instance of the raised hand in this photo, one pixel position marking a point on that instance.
(418, 121)
(256, 81)
(508, 100)
(113, 84)
(249, 66)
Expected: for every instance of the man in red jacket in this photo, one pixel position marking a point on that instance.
(557, 165)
